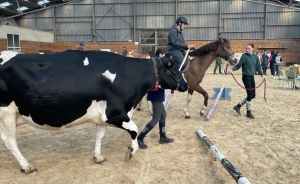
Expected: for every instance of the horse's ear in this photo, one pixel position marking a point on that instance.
(220, 37)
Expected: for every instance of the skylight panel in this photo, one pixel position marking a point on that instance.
(43, 2)
(5, 4)
(22, 8)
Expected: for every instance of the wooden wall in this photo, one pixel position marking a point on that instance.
(3, 44)
(113, 46)
(290, 51)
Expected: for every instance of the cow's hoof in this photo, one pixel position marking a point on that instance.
(29, 169)
(101, 162)
(187, 117)
(201, 113)
(129, 153)
(138, 109)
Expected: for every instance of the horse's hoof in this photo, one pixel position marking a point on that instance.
(187, 117)
(29, 170)
(201, 114)
(138, 109)
(101, 162)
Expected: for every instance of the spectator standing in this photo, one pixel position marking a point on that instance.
(218, 65)
(81, 44)
(264, 62)
(271, 60)
(277, 63)
(124, 53)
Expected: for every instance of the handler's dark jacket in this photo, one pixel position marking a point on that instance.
(156, 96)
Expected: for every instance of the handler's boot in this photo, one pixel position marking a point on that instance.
(141, 143)
(140, 138)
(249, 113)
(237, 108)
(239, 105)
(164, 139)
(162, 131)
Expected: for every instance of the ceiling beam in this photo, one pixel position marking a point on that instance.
(271, 4)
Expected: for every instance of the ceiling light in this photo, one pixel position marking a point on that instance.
(22, 8)
(5, 4)
(43, 2)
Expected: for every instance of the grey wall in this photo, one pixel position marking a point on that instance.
(119, 20)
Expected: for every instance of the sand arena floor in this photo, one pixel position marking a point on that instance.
(265, 150)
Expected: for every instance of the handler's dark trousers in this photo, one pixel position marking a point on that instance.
(249, 83)
(159, 115)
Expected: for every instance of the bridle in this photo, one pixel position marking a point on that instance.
(226, 55)
(223, 51)
(165, 70)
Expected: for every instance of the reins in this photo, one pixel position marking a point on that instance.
(264, 81)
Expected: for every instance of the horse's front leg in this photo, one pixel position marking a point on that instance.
(200, 90)
(188, 100)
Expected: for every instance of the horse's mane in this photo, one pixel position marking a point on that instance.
(207, 48)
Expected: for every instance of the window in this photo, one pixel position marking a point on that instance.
(13, 42)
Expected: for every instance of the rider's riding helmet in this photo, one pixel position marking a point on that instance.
(182, 19)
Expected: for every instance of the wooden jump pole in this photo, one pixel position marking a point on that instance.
(237, 176)
(208, 116)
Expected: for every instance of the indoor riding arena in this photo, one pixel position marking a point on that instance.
(234, 149)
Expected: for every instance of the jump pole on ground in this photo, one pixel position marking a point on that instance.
(208, 116)
(237, 176)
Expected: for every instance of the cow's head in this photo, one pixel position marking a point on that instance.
(168, 73)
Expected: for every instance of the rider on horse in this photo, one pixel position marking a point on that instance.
(176, 40)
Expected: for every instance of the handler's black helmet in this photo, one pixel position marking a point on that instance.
(182, 19)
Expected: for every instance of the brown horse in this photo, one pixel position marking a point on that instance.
(203, 57)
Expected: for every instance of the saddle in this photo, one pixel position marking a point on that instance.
(186, 64)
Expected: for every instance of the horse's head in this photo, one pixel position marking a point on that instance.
(225, 51)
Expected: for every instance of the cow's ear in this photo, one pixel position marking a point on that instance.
(152, 55)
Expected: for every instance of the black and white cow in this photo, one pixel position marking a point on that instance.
(61, 90)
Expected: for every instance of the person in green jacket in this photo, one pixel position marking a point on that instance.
(250, 65)
(218, 64)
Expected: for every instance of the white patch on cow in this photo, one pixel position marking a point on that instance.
(130, 125)
(130, 113)
(7, 55)
(86, 61)
(98, 107)
(109, 75)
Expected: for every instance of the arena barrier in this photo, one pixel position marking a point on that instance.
(208, 116)
(237, 176)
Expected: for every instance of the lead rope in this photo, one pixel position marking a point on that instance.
(265, 86)
(155, 88)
